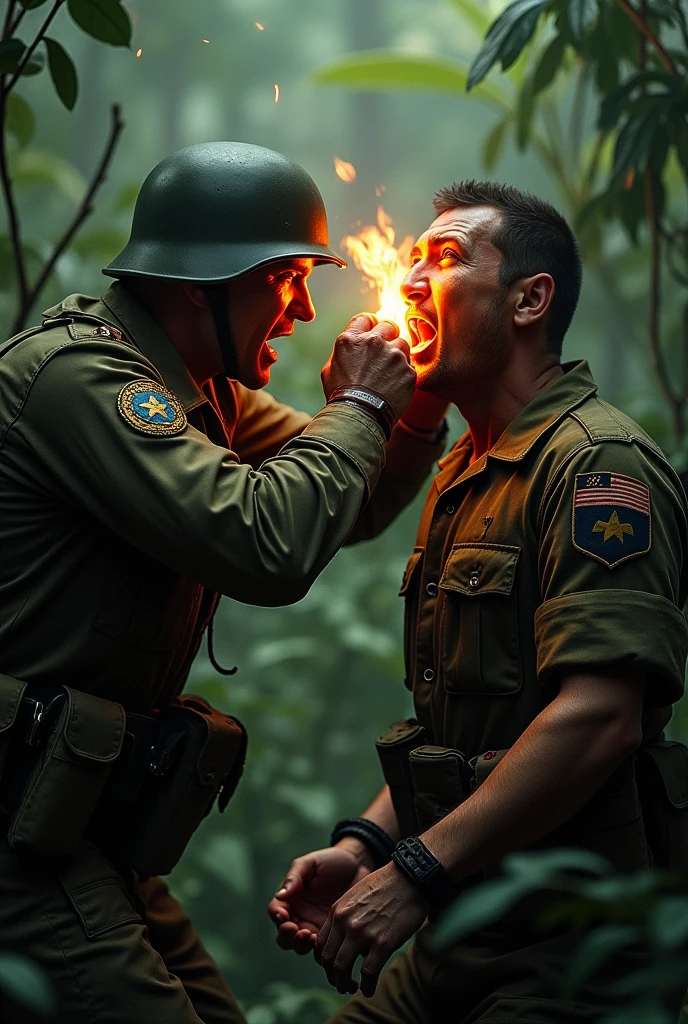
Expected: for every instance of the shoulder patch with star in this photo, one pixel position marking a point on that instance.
(149, 407)
(612, 519)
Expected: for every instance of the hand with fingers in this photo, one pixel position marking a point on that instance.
(372, 356)
(373, 919)
(313, 883)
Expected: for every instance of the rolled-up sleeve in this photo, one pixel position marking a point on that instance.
(611, 564)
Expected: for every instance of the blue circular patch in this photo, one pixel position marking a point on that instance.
(151, 408)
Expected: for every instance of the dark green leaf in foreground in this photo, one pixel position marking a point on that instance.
(20, 119)
(62, 72)
(582, 15)
(506, 38)
(105, 20)
(26, 984)
(549, 64)
(595, 948)
(11, 52)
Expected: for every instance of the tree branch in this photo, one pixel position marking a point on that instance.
(8, 18)
(84, 210)
(32, 48)
(10, 203)
(641, 24)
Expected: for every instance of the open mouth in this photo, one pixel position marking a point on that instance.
(422, 334)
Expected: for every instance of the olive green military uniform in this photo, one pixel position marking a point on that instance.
(560, 550)
(129, 499)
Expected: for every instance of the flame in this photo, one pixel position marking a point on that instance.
(277, 93)
(345, 171)
(139, 51)
(383, 265)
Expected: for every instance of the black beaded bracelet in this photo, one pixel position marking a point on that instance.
(378, 843)
(425, 872)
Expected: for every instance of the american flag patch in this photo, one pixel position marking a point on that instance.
(611, 517)
(612, 489)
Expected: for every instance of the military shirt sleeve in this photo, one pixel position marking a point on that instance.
(611, 554)
(265, 425)
(259, 536)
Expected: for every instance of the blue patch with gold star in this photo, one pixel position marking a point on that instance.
(611, 517)
(151, 408)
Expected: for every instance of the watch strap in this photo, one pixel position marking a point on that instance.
(412, 857)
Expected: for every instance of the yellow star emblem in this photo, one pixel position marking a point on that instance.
(614, 528)
(154, 406)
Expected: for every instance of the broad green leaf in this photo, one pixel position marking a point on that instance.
(26, 984)
(101, 245)
(582, 15)
(506, 38)
(479, 907)
(542, 867)
(494, 144)
(665, 10)
(11, 52)
(389, 69)
(524, 118)
(549, 64)
(594, 949)
(20, 119)
(614, 105)
(31, 5)
(36, 168)
(669, 922)
(635, 139)
(105, 20)
(62, 72)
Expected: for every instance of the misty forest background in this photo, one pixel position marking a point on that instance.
(317, 682)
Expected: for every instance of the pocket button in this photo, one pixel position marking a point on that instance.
(431, 589)
(474, 579)
(428, 675)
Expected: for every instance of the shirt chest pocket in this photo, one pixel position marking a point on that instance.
(478, 620)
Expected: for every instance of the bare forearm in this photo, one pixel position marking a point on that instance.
(548, 775)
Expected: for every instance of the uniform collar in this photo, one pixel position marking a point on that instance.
(550, 405)
(119, 308)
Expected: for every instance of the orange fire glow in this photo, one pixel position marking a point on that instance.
(383, 266)
(344, 170)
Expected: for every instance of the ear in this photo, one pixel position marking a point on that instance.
(532, 300)
(195, 293)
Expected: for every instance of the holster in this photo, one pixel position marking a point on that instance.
(199, 754)
(393, 749)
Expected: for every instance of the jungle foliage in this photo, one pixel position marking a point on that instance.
(319, 680)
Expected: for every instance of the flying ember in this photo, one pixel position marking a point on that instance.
(345, 171)
(383, 266)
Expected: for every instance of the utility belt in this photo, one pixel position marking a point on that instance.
(638, 817)
(74, 766)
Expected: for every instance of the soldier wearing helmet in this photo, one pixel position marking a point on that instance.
(144, 474)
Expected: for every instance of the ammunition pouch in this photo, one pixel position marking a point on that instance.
(393, 750)
(441, 781)
(73, 765)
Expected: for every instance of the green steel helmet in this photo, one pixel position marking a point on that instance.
(217, 210)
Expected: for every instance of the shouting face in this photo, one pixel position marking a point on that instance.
(263, 305)
(457, 315)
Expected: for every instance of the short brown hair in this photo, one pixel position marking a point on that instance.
(533, 239)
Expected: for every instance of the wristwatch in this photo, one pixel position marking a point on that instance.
(424, 871)
(377, 407)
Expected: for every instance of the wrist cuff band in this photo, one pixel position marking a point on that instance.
(377, 407)
(424, 871)
(378, 843)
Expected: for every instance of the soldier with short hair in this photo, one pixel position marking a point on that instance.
(144, 473)
(545, 644)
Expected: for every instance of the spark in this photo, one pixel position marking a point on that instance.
(344, 171)
(380, 190)
(383, 265)
(205, 40)
(630, 178)
(139, 52)
(277, 93)
(261, 28)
